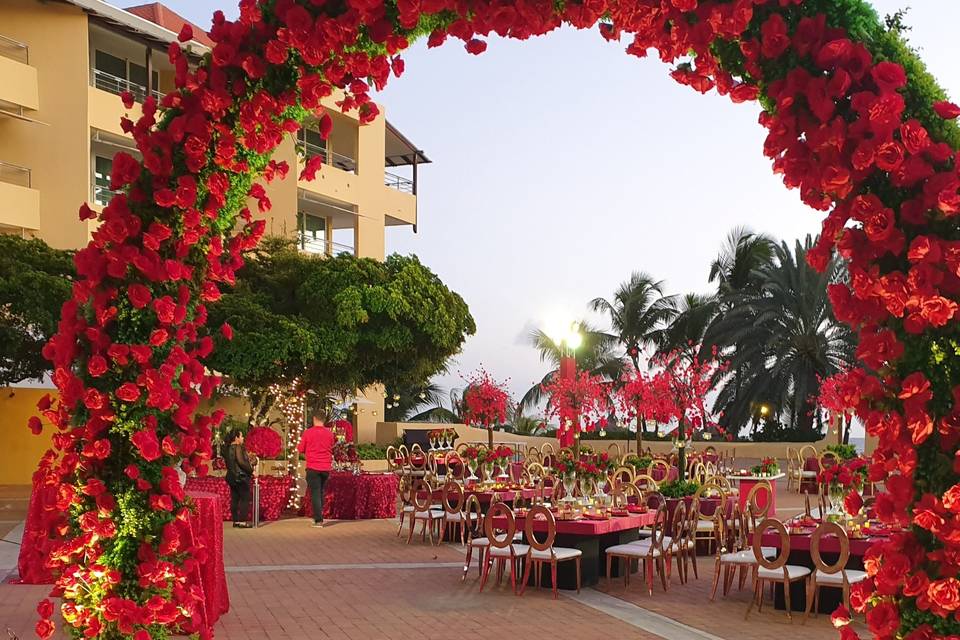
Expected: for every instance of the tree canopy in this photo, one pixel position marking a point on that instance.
(35, 281)
(337, 324)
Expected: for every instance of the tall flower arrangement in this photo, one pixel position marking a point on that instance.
(580, 404)
(859, 137)
(485, 402)
(640, 396)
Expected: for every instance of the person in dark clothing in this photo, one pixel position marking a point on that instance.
(239, 472)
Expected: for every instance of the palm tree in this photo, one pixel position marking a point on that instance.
(639, 315)
(596, 354)
(412, 397)
(685, 335)
(440, 413)
(737, 267)
(781, 338)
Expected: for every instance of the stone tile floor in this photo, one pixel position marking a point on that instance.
(359, 581)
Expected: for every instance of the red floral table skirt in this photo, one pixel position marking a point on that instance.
(274, 493)
(205, 530)
(367, 496)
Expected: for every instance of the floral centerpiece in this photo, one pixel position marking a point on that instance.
(767, 467)
(485, 402)
(844, 483)
(498, 457)
(263, 442)
(580, 404)
(640, 464)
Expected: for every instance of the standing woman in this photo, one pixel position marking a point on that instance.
(239, 472)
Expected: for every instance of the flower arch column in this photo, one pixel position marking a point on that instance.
(854, 124)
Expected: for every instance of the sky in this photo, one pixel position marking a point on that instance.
(561, 165)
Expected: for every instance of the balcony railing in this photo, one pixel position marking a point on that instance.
(112, 84)
(103, 195)
(309, 244)
(14, 49)
(14, 174)
(340, 161)
(399, 183)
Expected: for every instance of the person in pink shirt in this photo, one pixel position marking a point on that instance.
(316, 444)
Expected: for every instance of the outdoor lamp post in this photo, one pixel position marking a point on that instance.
(567, 339)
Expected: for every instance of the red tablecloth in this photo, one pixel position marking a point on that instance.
(206, 531)
(671, 475)
(274, 493)
(357, 497)
(828, 544)
(584, 526)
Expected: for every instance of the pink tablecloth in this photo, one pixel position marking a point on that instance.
(586, 527)
(274, 494)
(828, 544)
(205, 531)
(366, 496)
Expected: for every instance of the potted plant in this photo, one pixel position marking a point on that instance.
(767, 467)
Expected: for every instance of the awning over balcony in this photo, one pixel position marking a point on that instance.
(400, 151)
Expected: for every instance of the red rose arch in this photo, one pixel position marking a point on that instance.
(855, 124)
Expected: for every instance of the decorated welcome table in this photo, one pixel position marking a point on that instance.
(366, 496)
(592, 536)
(204, 530)
(749, 481)
(274, 493)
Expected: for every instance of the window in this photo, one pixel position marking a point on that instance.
(312, 233)
(102, 168)
(311, 143)
(117, 75)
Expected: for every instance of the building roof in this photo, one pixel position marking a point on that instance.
(400, 150)
(140, 28)
(169, 19)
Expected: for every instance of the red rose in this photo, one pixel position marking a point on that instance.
(884, 619)
(938, 310)
(128, 392)
(45, 609)
(93, 399)
(476, 46)
(165, 308)
(45, 629)
(915, 137)
(840, 617)
(774, 38)
(35, 425)
(853, 502)
(916, 584)
(158, 337)
(889, 76)
(947, 110)
(945, 593)
(226, 331)
(889, 156)
(147, 444)
(132, 471)
(139, 295)
(97, 366)
(951, 499)
(161, 503)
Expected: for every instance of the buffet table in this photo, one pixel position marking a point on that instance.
(274, 493)
(204, 531)
(366, 496)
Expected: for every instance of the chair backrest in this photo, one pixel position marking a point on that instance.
(422, 496)
(452, 489)
(756, 510)
(698, 472)
(827, 529)
(792, 456)
(645, 483)
(498, 509)
(659, 527)
(456, 467)
(654, 499)
(721, 535)
(626, 491)
(539, 512)
(781, 560)
(659, 468)
(710, 489)
(473, 506)
(680, 523)
(807, 451)
(406, 487)
(463, 446)
(416, 448)
(536, 471)
(828, 459)
(392, 456)
(624, 475)
(546, 449)
(615, 451)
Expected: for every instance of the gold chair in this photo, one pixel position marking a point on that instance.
(614, 447)
(649, 553)
(544, 552)
(834, 575)
(645, 483)
(624, 475)
(793, 469)
(659, 464)
(423, 512)
(776, 570)
(502, 549)
(481, 543)
(454, 515)
(406, 501)
(755, 511)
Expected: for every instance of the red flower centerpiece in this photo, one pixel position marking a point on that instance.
(579, 403)
(263, 442)
(485, 402)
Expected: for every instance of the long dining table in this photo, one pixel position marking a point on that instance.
(592, 536)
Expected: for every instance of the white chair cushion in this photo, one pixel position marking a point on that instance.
(704, 525)
(561, 553)
(504, 552)
(793, 571)
(429, 515)
(408, 508)
(484, 541)
(633, 550)
(808, 474)
(458, 516)
(747, 557)
(853, 576)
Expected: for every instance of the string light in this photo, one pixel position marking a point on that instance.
(291, 404)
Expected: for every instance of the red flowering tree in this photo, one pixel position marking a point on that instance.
(485, 402)
(640, 396)
(682, 386)
(840, 395)
(847, 127)
(581, 403)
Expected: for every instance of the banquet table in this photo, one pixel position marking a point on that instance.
(593, 538)
(205, 529)
(747, 482)
(829, 598)
(274, 493)
(366, 496)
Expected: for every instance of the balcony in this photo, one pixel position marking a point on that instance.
(112, 84)
(19, 90)
(401, 184)
(309, 243)
(19, 201)
(338, 160)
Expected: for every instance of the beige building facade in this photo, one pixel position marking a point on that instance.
(63, 64)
